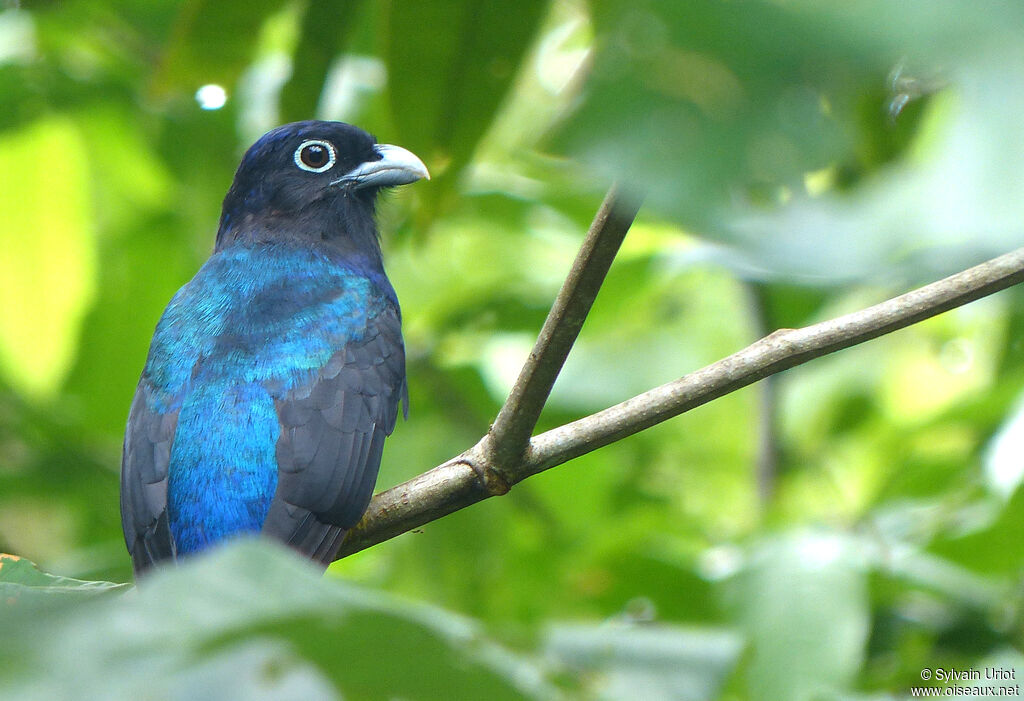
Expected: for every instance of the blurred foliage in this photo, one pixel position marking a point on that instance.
(825, 535)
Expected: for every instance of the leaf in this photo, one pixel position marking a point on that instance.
(211, 42)
(690, 100)
(28, 594)
(803, 602)
(996, 547)
(49, 261)
(20, 578)
(450, 65)
(720, 110)
(651, 662)
(141, 272)
(954, 202)
(325, 31)
(253, 620)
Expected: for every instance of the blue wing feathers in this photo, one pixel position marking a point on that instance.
(144, 482)
(272, 380)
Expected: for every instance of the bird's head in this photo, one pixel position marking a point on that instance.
(313, 179)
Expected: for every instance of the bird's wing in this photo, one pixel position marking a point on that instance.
(332, 436)
(147, 453)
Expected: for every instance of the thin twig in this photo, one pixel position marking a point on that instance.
(510, 434)
(457, 483)
(779, 351)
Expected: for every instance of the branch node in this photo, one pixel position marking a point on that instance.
(509, 436)
(490, 479)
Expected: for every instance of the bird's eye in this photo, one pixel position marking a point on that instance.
(314, 155)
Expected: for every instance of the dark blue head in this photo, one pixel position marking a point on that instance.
(316, 180)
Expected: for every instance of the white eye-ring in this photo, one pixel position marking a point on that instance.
(315, 155)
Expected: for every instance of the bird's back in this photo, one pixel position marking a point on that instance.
(272, 379)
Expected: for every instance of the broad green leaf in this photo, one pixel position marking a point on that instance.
(21, 582)
(802, 601)
(48, 266)
(131, 180)
(450, 65)
(652, 662)
(30, 597)
(726, 112)
(325, 31)
(692, 101)
(254, 620)
(994, 545)
(953, 202)
(211, 42)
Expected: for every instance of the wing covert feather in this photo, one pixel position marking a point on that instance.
(332, 439)
(144, 463)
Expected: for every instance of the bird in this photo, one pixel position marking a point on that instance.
(275, 374)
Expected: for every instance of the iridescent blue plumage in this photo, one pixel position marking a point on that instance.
(288, 310)
(275, 374)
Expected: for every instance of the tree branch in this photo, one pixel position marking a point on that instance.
(464, 480)
(510, 434)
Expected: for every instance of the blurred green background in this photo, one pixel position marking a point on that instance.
(826, 534)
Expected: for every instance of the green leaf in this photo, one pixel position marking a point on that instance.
(325, 31)
(708, 105)
(49, 261)
(254, 620)
(141, 272)
(651, 662)
(690, 100)
(803, 602)
(954, 201)
(22, 582)
(995, 547)
(211, 42)
(450, 65)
